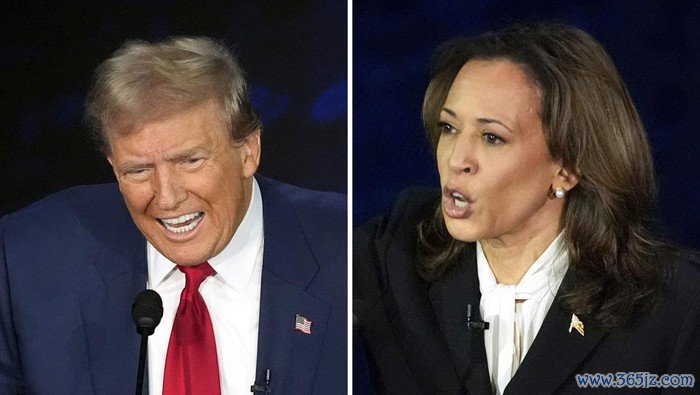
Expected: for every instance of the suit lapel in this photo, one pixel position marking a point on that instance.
(449, 296)
(119, 273)
(288, 268)
(555, 346)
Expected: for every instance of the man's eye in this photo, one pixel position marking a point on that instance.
(136, 174)
(446, 128)
(193, 162)
(492, 139)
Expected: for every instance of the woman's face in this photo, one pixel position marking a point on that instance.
(495, 169)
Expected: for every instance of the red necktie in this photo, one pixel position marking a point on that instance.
(191, 366)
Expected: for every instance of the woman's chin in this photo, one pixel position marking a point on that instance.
(462, 230)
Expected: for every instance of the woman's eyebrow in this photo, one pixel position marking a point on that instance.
(491, 120)
(447, 110)
(481, 120)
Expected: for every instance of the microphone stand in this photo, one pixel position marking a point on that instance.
(142, 363)
(147, 310)
(266, 389)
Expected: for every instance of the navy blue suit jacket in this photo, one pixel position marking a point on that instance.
(71, 264)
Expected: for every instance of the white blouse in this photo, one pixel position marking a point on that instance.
(513, 326)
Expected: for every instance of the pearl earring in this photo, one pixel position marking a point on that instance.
(559, 192)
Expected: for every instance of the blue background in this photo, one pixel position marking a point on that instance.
(294, 53)
(654, 44)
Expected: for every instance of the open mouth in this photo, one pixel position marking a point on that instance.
(460, 200)
(182, 224)
(456, 204)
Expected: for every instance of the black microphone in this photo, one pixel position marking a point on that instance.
(473, 323)
(146, 311)
(265, 388)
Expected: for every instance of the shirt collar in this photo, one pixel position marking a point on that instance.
(554, 260)
(235, 264)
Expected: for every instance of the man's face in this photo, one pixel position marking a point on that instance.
(186, 185)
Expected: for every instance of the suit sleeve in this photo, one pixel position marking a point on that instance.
(367, 277)
(366, 293)
(379, 362)
(370, 244)
(10, 368)
(685, 358)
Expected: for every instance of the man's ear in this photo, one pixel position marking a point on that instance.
(251, 148)
(114, 169)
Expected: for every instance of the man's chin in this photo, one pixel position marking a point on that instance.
(184, 256)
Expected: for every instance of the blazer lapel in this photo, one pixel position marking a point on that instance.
(288, 268)
(449, 296)
(119, 273)
(555, 346)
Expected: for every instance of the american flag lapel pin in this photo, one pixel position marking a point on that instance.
(576, 324)
(302, 324)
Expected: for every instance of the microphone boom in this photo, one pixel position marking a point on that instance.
(147, 310)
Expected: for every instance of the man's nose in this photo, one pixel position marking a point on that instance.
(169, 192)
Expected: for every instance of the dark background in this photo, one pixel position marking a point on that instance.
(294, 54)
(654, 44)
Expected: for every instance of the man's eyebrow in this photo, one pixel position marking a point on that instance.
(186, 154)
(133, 165)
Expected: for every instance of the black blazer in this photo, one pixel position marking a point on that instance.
(414, 332)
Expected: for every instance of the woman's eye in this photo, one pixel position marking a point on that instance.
(446, 128)
(493, 139)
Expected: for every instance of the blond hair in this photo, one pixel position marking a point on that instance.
(143, 81)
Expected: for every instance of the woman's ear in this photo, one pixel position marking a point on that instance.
(567, 179)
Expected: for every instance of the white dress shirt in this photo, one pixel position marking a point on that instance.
(513, 326)
(232, 296)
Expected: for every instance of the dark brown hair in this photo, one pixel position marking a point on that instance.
(592, 127)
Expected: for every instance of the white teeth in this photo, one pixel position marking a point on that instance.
(459, 199)
(180, 219)
(169, 222)
(460, 203)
